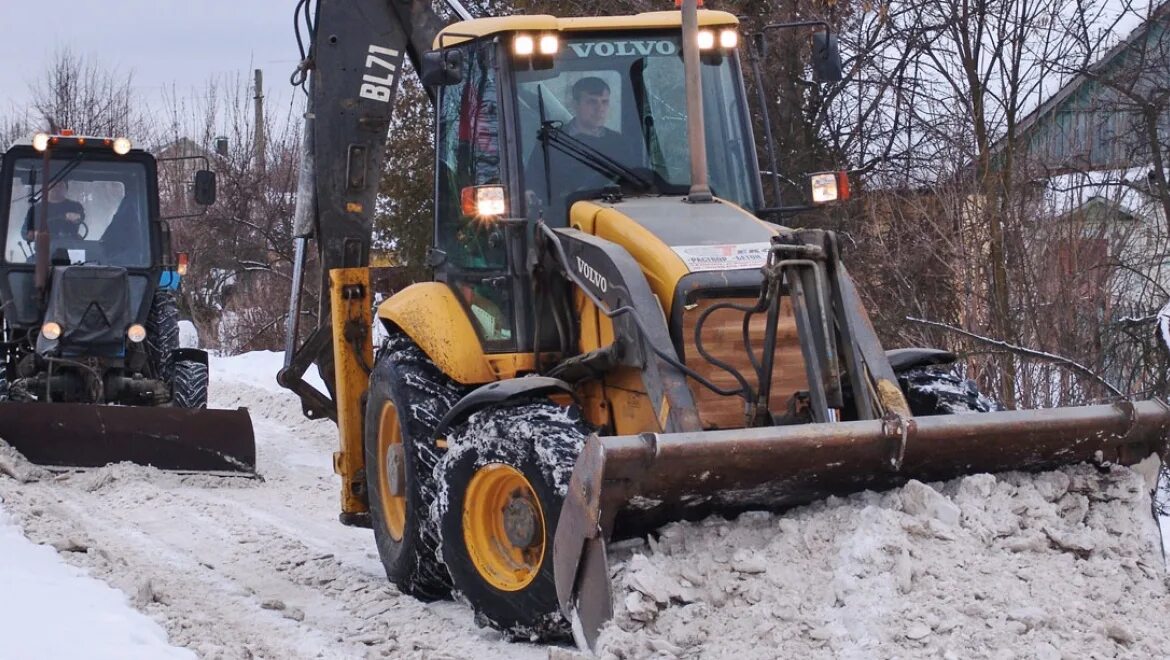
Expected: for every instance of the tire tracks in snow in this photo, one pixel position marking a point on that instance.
(237, 568)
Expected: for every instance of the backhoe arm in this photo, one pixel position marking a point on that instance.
(353, 65)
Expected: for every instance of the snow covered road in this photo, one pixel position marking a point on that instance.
(241, 568)
(1058, 565)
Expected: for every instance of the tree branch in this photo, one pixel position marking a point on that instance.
(1021, 350)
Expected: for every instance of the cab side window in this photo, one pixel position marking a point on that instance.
(468, 145)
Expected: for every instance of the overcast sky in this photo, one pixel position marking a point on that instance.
(161, 42)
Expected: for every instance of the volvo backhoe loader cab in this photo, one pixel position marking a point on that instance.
(89, 316)
(613, 337)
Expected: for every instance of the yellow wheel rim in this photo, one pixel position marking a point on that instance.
(389, 441)
(503, 527)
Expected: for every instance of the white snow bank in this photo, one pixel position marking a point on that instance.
(258, 369)
(52, 610)
(1061, 564)
(188, 334)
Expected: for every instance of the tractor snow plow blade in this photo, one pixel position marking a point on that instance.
(777, 467)
(82, 435)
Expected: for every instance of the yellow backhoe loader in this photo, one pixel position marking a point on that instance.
(614, 337)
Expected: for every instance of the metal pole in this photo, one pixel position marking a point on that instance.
(700, 191)
(293, 323)
(755, 49)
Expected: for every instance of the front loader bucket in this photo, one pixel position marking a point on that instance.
(776, 467)
(88, 435)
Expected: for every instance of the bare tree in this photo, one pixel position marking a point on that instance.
(79, 94)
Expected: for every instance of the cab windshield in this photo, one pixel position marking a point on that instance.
(612, 111)
(96, 212)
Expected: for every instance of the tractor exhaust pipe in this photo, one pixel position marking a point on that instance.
(696, 140)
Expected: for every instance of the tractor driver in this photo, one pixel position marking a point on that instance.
(590, 105)
(65, 215)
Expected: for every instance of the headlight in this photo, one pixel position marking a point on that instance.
(484, 201)
(829, 187)
(51, 330)
(136, 333)
(122, 146)
(728, 39)
(523, 44)
(41, 141)
(549, 44)
(706, 40)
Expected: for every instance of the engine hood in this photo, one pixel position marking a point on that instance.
(92, 305)
(671, 238)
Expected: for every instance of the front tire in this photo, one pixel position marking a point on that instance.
(939, 391)
(189, 384)
(408, 396)
(162, 334)
(506, 472)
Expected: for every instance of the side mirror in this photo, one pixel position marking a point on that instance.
(205, 187)
(441, 68)
(826, 59)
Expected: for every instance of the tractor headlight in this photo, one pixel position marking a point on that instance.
(728, 39)
(706, 40)
(136, 333)
(41, 141)
(51, 330)
(122, 146)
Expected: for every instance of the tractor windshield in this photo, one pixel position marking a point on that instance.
(612, 111)
(96, 211)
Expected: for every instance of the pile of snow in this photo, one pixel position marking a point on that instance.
(248, 380)
(52, 610)
(1061, 564)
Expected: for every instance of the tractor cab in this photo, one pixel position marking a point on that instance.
(95, 198)
(536, 113)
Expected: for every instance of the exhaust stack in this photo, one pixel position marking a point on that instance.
(700, 191)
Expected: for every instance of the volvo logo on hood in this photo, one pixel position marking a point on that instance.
(624, 48)
(592, 275)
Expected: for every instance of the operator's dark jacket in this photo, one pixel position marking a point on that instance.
(58, 225)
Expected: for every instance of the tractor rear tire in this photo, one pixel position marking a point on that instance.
(506, 473)
(189, 384)
(162, 334)
(940, 391)
(408, 396)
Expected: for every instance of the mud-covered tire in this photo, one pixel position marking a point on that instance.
(940, 391)
(162, 334)
(540, 441)
(189, 384)
(406, 380)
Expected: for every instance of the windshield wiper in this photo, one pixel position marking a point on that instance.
(552, 133)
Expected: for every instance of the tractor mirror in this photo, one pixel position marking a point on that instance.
(441, 68)
(826, 59)
(205, 187)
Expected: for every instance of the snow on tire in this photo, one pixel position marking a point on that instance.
(407, 384)
(535, 444)
(189, 384)
(935, 391)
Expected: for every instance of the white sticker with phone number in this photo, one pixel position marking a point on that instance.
(700, 258)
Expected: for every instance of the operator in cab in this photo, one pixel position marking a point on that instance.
(65, 217)
(590, 105)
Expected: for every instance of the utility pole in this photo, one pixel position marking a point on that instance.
(261, 146)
